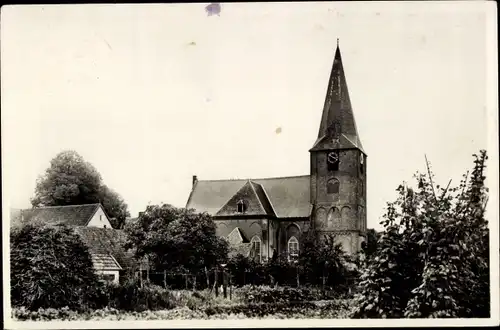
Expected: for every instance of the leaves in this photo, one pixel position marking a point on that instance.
(176, 239)
(70, 180)
(50, 267)
(432, 258)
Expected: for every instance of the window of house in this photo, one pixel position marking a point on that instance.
(362, 164)
(333, 186)
(241, 206)
(293, 247)
(332, 160)
(100, 217)
(256, 251)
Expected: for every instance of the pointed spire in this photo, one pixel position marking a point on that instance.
(338, 127)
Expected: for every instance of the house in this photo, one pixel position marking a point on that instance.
(106, 245)
(89, 215)
(273, 213)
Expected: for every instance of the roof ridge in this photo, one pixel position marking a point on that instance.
(53, 206)
(255, 179)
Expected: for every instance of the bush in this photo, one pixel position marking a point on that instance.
(129, 296)
(432, 259)
(267, 294)
(50, 268)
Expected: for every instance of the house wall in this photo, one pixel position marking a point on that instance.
(116, 274)
(99, 220)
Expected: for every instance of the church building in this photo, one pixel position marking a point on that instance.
(261, 217)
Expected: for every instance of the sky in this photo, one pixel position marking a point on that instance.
(154, 94)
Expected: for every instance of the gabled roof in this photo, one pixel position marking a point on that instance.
(105, 262)
(71, 215)
(337, 120)
(248, 194)
(236, 236)
(107, 241)
(15, 217)
(287, 197)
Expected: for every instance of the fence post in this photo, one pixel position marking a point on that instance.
(186, 279)
(216, 282)
(224, 279)
(165, 279)
(230, 287)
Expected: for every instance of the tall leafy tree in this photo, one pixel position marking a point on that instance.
(70, 180)
(432, 259)
(177, 239)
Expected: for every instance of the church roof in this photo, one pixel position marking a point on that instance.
(285, 197)
(72, 215)
(338, 127)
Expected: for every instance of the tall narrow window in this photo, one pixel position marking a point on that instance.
(333, 160)
(333, 186)
(362, 164)
(293, 247)
(256, 251)
(241, 206)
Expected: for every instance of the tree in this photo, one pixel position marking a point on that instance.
(370, 246)
(177, 239)
(50, 268)
(432, 259)
(324, 261)
(70, 180)
(114, 205)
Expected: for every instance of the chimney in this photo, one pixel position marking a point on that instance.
(195, 179)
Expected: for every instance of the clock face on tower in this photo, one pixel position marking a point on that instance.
(333, 157)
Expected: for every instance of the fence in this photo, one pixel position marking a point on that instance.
(214, 278)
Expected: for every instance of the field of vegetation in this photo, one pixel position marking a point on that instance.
(431, 260)
(246, 302)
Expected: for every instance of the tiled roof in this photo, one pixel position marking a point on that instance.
(105, 262)
(288, 197)
(72, 215)
(253, 204)
(107, 241)
(15, 217)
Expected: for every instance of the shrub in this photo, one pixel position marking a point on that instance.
(130, 296)
(50, 268)
(432, 259)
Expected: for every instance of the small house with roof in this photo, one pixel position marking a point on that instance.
(106, 245)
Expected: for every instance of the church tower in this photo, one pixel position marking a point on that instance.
(338, 168)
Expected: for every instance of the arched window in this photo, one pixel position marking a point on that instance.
(333, 186)
(256, 251)
(241, 206)
(293, 247)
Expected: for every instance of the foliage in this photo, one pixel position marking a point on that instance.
(177, 240)
(370, 246)
(50, 267)
(70, 180)
(303, 310)
(432, 259)
(130, 296)
(324, 259)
